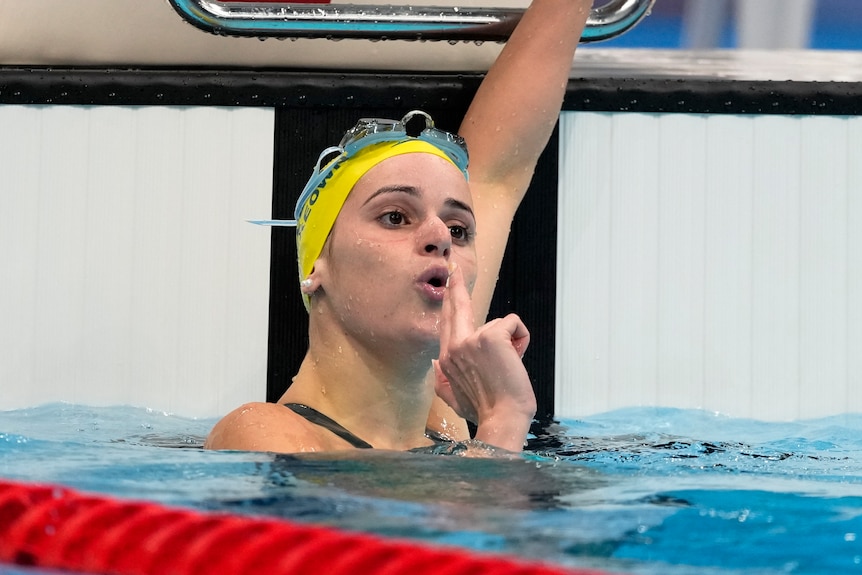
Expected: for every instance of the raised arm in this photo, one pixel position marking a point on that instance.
(507, 127)
(510, 121)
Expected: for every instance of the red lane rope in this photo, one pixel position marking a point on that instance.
(55, 527)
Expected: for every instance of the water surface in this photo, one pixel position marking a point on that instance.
(642, 491)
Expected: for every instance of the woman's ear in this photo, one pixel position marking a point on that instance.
(306, 286)
(313, 282)
(310, 284)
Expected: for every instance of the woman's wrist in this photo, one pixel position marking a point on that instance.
(507, 430)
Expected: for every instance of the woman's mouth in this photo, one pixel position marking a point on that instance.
(432, 283)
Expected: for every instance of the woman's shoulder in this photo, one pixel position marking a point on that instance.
(260, 426)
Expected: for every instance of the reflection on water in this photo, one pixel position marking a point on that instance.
(640, 491)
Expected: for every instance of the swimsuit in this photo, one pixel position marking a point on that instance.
(317, 418)
(326, 422)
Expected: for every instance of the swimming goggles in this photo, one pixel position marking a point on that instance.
(370, 131)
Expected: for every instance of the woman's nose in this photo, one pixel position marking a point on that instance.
(436, 237)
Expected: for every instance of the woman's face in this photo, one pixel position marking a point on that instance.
(384, 269)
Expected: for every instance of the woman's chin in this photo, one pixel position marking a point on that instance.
(424, 336)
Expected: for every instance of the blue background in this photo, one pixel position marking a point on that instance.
(837, 26)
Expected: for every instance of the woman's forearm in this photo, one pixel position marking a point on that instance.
(517, 105)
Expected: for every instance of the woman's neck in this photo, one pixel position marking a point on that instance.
(376, 395)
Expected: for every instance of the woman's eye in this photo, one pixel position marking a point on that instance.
(394, 218)
(459, 233)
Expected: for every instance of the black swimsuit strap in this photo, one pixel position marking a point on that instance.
(327, 422)
(317, 418)
(436, 437)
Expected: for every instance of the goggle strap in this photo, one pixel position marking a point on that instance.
(274, 223)
(327, 152)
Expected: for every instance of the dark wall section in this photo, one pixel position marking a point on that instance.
(305, 90)
(204, 87)
(714, 96)
(528, 278)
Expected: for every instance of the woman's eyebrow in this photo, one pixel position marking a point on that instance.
(452, 202)
(409, 190)
(415, 192)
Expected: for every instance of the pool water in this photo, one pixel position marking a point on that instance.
(641, 491)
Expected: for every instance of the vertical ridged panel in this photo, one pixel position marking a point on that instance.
(728, 253)
(130, 275)
(854, 265)
(633, 253)
(20, 180)
(727, 247)
(824, 248)
(681, 242)
(776, 265)
(582, 364)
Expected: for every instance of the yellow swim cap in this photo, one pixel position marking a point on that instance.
(317, 214)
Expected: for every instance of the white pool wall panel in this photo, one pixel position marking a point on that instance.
(129, 274)
(710, 261)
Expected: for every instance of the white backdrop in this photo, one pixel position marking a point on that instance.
(128, 274)
(710, 262)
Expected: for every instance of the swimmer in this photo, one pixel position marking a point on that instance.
(399, 249)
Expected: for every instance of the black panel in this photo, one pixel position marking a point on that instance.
(196, 87)
(300, 88)
(699, 96)
(527, 284)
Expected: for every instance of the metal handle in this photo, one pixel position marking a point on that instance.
(336, 21)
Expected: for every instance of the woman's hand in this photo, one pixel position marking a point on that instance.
(480, 372)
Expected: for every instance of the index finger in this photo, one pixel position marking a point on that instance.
(456, 321)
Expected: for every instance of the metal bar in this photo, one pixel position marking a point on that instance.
(383, 22)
